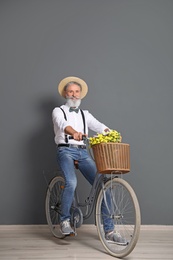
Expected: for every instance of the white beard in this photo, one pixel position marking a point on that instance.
(73, 102)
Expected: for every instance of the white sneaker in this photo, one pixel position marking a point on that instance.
(65, 228)
(115, 237)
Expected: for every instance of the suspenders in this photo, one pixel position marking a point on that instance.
(83, 117)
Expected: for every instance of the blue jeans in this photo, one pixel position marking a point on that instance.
(65, 158)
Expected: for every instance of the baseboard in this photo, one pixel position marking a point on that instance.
(27, 227)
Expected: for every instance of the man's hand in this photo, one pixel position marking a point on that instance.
(78, 136)
(107, 130)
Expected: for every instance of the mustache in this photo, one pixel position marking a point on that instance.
(72, 97)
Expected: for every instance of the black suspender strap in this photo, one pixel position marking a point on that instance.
(64, 114)
(66, 138)
(83, 118)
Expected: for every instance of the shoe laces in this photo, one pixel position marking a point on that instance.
(66, 223)
(114, 232)
(117, 233)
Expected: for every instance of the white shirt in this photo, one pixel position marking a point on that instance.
(75, 121)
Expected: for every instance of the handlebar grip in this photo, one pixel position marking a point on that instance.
(83, 137)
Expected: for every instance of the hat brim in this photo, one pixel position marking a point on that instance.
(65, 81)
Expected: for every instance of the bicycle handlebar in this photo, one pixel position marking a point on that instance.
(84, 137)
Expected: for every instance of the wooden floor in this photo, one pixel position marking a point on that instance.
(36, 242)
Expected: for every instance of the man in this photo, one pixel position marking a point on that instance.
(68, 120)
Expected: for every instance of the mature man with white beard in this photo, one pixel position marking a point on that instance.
(69, 120)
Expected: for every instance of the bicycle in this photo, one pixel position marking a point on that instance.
(123, 208)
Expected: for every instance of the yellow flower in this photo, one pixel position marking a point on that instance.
(111, 136)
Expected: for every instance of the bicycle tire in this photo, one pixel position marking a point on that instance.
(125, 214)
(53, 205)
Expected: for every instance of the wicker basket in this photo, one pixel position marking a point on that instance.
(112, 157)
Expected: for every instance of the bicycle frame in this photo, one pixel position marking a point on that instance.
(92, 198)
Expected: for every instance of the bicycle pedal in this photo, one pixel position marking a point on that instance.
(73, 234)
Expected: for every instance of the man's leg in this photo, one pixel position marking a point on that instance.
(66, 163)
(88, 168)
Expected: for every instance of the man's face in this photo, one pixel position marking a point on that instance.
(73, 92)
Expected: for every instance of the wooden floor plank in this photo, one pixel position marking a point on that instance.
(36, 242)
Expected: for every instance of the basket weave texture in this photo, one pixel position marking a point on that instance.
(112, 157)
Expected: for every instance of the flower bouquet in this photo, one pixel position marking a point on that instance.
(111, 156)
(106, 137)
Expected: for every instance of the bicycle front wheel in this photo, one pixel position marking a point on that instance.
(53, 205)
(123, 210)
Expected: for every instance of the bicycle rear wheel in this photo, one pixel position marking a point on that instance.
(53, 205)
(124, 211)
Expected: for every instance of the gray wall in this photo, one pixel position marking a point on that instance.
(123, 49)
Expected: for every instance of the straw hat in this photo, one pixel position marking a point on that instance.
(65, 81)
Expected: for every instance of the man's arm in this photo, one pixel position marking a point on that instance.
(76, 135)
